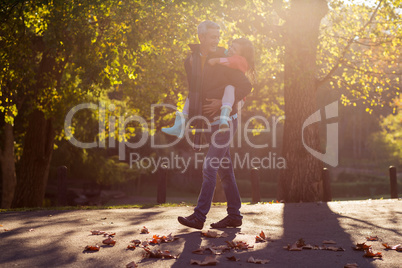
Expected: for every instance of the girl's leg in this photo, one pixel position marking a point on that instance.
(227, 103)
(186, 107)
(228, 96)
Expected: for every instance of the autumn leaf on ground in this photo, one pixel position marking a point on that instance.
(261, 237)
(233, 258)
(335, 248)
(109, 241)
(131, 247)
(214, 234)
(372, 238)
(370, 254)
(396, 247)
(131, 265)
(361, 246)
(92, 248)
(215, 250)
(156, 253)
(238, 245)
(109, 234)
(144, 230)
(136, 242)
(97, 232)
(258, 261)
(208, 261)
(157, 239)
(328, 242)
(296, 246)
(351, 265)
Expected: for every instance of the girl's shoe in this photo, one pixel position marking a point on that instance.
(224, 119)
(178, 127)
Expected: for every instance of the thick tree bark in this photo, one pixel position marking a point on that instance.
(35, 162)
(8, 167)
(301, 180)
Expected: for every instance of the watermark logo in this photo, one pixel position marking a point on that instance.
(331, 152)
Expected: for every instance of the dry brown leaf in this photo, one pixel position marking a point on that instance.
(131, 247)
(370, 254)
(136, 242)
(372, 238)
(238, 245)
(92, 248)
(233, 258)
(294, 247)
(328, 242)
(109, 241)
(144, 230)
(131, 265)
(208, 261)
(396, 247)
(258, 261)
(97, 232)
(156, 253)
(308, 246)
(351, 265)
(361, 246)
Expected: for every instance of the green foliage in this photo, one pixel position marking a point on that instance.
(386, 145)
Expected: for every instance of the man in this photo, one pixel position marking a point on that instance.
(206, 84)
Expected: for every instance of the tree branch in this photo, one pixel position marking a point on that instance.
(345, 50)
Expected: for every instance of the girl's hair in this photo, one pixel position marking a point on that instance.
(247, 51)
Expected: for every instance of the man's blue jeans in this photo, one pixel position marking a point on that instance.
(218, 160)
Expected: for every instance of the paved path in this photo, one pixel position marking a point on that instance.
(58, 238)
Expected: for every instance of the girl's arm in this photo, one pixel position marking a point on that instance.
(234, 62)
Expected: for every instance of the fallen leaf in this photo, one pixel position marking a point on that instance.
(97, 232)
(131, 265)
(136, 242)
(261, 237)
(208, 261)
(238, 245)
(370, 254)
(361, 246)
(109, 234)
(258, 261)
(233, 258)
(156, 253)
(224, 234)
(295, 247)
(109, 241)
(308, 246)
(372, 238)
(214, 234)
(92, 248)
(144, 230)
(396, 247)
(328, 242)
(199, 251)
(131, 247)
(351, 265)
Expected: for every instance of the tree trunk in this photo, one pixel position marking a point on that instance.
(35, 162)
(8, 167)
(301, 180)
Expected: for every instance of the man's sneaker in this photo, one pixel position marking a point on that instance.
(191, 221)
(227, 222)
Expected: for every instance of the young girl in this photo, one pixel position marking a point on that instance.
(241, 57)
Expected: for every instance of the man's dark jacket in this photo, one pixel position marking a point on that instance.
(211, 81)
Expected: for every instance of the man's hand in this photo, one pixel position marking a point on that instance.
(213, 107)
